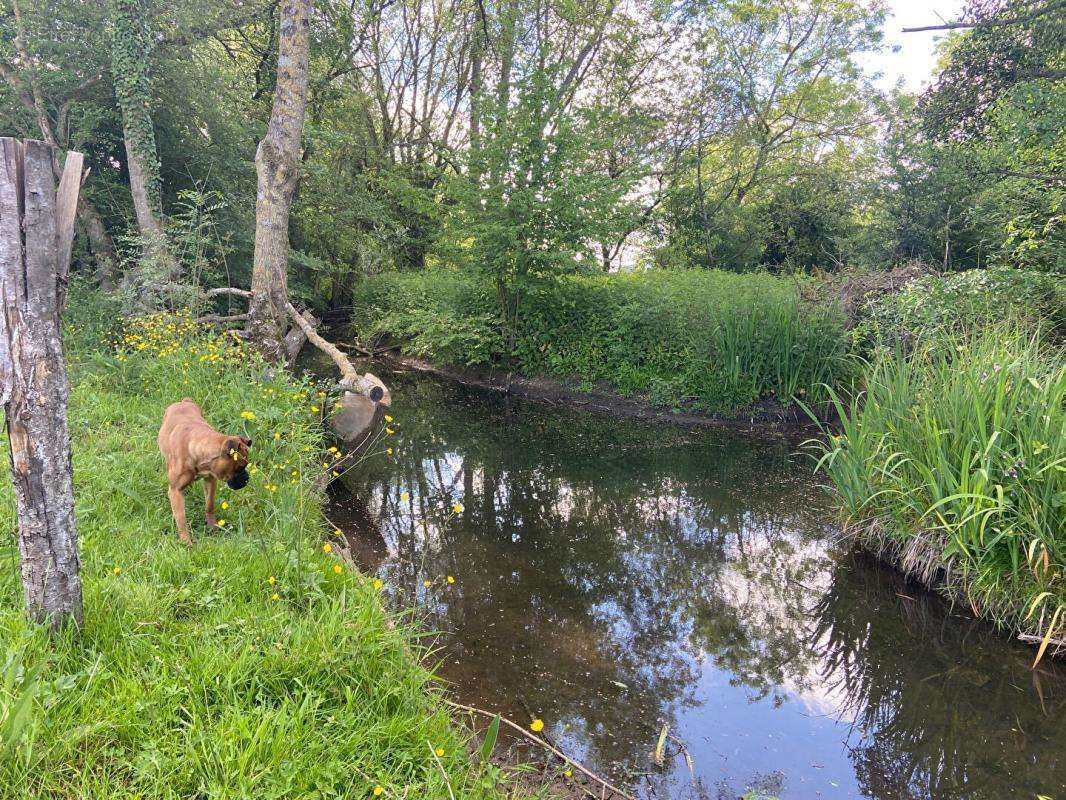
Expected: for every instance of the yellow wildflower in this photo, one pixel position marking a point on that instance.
(248, 415)
(427, 583)
(536, 725)
(389, 431)
(338, 568)
(275, 596)
(388, 418)
(314, 409)
(451, 579)
(568, 772)
(117, 570)
(223, 505)
(457, 508)
(222, 523)
(388, 451)
(378, 583)
(439, 751)
(377, 791)
(327, 548)
(272, 580)
(405, 496)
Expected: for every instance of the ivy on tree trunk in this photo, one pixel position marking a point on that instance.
(130, 50)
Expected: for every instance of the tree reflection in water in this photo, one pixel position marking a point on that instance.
(606, 571)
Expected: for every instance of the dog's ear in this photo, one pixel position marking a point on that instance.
(247, 441)
(231, 448)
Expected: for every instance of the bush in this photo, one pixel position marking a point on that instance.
(935, 305)
(953, 465)
(705, 339)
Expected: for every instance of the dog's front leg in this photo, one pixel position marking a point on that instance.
(178, 484)
(210, 484)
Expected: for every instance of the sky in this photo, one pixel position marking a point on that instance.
(915, 60)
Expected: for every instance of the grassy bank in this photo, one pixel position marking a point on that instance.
(702, 339)
(952, 465)
(251, 665)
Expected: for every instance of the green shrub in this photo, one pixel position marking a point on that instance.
(953, 464)
(935, 305)
(704, 339)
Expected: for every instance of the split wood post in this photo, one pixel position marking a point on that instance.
(36, 230)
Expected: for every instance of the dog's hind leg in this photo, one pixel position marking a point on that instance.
(210, 484)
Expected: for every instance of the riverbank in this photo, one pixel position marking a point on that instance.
(767, 417)
(254, 663)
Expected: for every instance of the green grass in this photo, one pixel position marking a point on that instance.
(703, 339)
(953, 465)
(190, 679)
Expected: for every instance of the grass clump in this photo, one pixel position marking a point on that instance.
(952, 464)
(246, 666)
(702, 339)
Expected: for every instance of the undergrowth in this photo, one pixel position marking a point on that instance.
(702, 339)
(253, 664)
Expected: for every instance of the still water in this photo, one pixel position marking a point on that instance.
(611, 576)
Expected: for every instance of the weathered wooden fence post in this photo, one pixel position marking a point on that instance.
(36, 229)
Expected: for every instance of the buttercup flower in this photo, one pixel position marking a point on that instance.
(536, 725)
(272, 580)
(248, 415)
(117, 570)
(327, 548)
(378, 584)
(338, 568)
(275, 596)
(223, 505)
(457, 508)
(388, 418)
(405, 496)
(427, 583)
(439, 751)
(377, 791)
(451, 579)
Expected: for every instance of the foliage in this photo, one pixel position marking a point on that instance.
(938, 305)
(198, 669)
(710, 340)
(953, 464)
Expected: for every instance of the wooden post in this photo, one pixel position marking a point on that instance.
(35, 237)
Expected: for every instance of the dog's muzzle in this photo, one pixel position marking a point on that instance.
(239, 479)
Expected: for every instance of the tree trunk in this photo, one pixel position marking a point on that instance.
(100, 245)
(34, 246)
(130, 51)
(277, 164)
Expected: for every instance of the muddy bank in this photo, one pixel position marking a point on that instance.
(767, 417)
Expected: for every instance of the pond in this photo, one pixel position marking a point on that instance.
(611, 576)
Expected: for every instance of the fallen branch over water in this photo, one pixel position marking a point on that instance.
(534, 738)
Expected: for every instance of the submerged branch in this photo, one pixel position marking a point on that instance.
(534, 738)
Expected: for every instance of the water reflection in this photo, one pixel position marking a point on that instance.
(612, 576)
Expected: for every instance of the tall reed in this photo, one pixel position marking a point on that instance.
(952, 463)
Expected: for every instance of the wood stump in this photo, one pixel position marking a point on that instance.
(36, 229)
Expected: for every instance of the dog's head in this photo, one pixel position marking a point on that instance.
(232, 463)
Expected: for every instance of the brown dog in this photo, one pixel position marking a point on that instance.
(193, 449)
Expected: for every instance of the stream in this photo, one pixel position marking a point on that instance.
(611, 576)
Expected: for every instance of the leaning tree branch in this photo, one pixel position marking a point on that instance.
(365, 383)
(992, 23)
